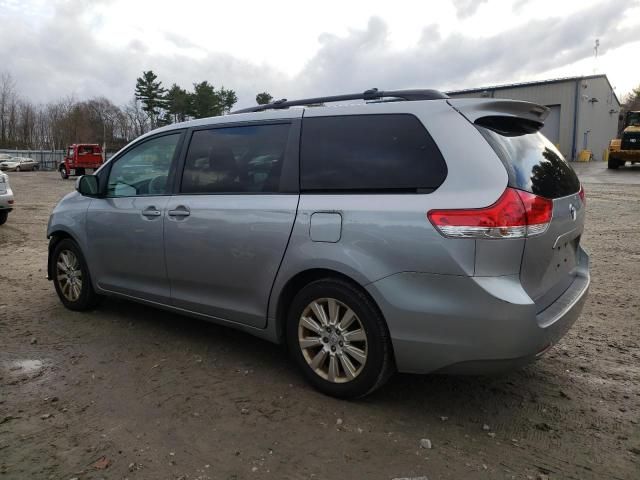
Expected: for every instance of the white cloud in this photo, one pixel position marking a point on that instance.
(288, 49)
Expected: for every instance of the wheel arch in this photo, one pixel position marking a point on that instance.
(298, 281)
(55, 238)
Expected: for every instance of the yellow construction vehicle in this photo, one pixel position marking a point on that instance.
(627, 147)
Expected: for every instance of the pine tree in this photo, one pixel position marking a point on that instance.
(228, 98)
(151, 94)
(263, 98)
(205, 101)
(178, 103)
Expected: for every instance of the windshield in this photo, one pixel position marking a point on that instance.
(633, 119)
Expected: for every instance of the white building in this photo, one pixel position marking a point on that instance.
(584, 110)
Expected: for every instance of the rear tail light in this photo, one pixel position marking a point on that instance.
(516, 214)
(582, 196)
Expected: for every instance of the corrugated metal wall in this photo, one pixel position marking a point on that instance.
(599, 120)
(593, 117)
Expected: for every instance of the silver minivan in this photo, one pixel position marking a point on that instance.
(370, 233)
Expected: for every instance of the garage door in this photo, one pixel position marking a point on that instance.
(551, 128)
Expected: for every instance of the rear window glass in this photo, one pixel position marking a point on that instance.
(534, 164)
(369, 153)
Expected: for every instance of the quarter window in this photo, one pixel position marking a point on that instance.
(144, 169)
(369, 153)
(236, 159)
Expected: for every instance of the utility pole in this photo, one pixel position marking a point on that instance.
(595, 60)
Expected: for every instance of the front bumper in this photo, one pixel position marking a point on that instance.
(472, 325)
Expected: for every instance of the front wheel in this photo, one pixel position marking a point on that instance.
(63, 174)
(71, 277)
(339, 339)
(3, 217)
(17, 169)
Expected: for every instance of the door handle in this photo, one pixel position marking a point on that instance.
(151, 212)
(180, 211)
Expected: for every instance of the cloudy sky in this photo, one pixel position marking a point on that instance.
(292, 48)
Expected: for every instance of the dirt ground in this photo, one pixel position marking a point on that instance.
(127, 391)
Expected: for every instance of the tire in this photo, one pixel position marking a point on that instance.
(79, 172)
(3, 217)
(17, 169)
(36, 168)
(63, 174)
(612, 164)
(71, 277)
(352, 378)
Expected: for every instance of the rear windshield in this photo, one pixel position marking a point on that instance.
(534, 164)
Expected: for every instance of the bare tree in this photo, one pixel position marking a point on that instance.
(7, 97)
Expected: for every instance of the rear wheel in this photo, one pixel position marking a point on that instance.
(3, 217)
(71, 277)
(79, 171)
(612, 163)
(339, 339)
(17, 169)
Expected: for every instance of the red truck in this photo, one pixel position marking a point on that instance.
(79, 158)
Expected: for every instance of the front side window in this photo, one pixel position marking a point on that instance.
(244, 159)
(369, 153)
(144, 169)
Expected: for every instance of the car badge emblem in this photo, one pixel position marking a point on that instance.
(573, 212)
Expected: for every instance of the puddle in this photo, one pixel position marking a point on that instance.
(21, 367)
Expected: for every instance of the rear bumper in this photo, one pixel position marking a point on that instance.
(625, 154)
(472, 325)
(5, 198)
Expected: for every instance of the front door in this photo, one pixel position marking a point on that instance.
(125, 229)
(227, 228)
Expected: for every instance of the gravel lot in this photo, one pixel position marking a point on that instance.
(127, 391)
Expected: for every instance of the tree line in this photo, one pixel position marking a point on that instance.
(54, 125)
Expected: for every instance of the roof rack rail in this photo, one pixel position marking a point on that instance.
(373, 94)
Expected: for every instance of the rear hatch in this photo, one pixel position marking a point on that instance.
(536, 166)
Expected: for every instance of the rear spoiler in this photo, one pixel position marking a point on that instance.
(507, 117)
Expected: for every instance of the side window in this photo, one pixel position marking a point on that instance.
(235, 159)
(144, 169)
(369, 153)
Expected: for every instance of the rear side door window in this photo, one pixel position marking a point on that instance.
(369, 153)
(240, 159)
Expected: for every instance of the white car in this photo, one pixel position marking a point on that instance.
(6, 198)
(17, 164)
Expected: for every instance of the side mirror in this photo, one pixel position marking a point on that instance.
(87, 185)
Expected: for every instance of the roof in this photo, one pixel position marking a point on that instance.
(534, 83)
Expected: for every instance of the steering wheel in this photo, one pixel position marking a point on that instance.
(157, 185)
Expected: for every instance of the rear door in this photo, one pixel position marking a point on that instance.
(227, 228)
(535, 165)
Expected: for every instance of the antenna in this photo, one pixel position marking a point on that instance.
(595, 59)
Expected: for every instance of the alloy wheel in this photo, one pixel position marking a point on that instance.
(69, 275)
(333, 340)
